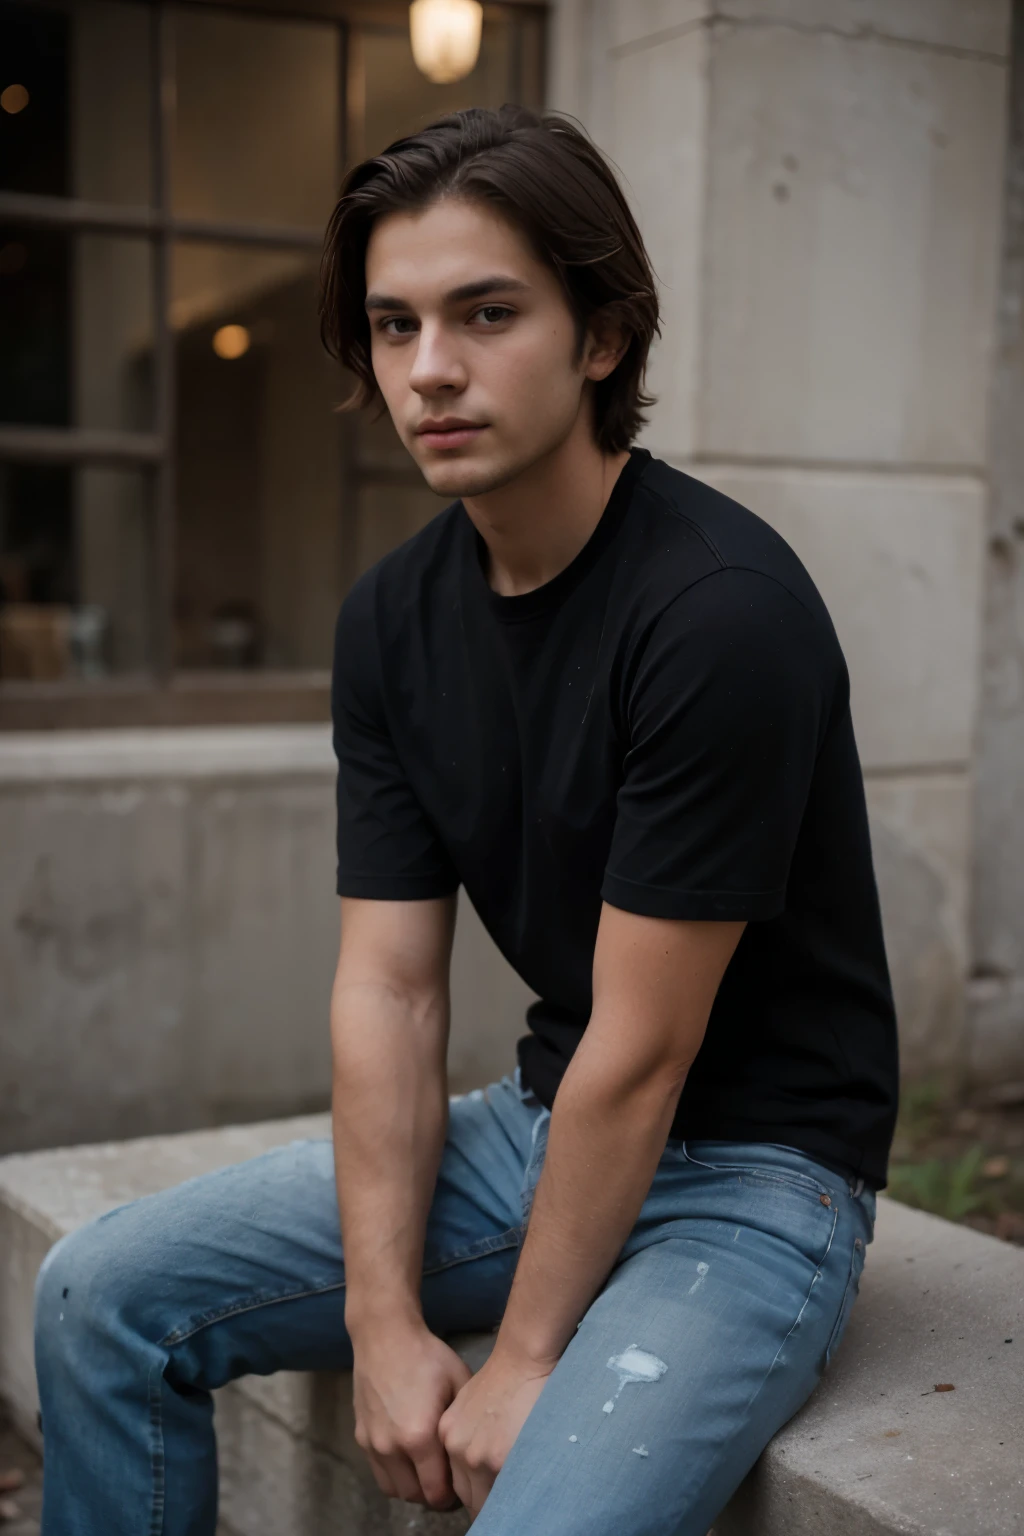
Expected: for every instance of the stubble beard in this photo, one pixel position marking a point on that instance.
(462, 480)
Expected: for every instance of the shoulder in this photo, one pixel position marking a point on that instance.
(690, 534)
(734, 536)
(723, 603)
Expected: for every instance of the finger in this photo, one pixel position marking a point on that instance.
(381, 1474)
(401, 1478)
(435, 1474)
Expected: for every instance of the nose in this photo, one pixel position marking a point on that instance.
(437, 366)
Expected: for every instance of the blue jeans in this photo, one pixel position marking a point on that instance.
(723, 1309)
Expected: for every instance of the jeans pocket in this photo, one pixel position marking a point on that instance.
(768, 1172)
(849, 1297)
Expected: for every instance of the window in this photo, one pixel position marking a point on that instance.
(182, 507)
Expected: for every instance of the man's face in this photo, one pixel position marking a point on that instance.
(473, 345)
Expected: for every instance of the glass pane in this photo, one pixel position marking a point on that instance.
(389, 501)
(258, 127)
(75, 572)
(79, 84)
(260, 554)
(389, 97)
(385, 515)
(76, 331)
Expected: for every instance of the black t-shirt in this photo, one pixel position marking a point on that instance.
(664, 726)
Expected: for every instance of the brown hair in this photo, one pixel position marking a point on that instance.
(546, 177)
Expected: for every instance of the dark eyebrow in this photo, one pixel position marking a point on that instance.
(479, 289)
(499, 283)
(383, 301)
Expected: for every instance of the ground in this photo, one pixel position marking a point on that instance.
(21, 1486)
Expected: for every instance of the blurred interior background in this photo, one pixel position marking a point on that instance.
(195, 505)
(833, 196)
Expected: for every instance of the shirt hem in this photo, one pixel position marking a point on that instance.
(723, 906)
(395, 888)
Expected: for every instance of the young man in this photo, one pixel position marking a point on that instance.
(610, 704)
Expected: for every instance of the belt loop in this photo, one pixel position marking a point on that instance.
(856, 1188)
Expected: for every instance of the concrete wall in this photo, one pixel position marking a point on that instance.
(168, 934)
(819, 183)
(997, 988)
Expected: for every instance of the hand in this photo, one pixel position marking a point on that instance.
(481, 1426)
(403, 1380)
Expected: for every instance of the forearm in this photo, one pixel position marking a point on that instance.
(608, 1130)
(390, 1117)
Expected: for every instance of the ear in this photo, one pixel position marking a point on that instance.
(605, 345)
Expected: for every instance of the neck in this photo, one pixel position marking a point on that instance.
(537, 524)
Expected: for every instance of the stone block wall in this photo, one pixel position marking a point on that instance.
(996, 995)
(820, 186)
(168, 935)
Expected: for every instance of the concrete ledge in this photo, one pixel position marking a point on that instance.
(75, 757)
(876, 1451)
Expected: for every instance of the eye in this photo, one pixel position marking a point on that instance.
(493, 314)
(398, 325)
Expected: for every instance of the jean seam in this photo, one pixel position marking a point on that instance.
(507, 1239)
(724, 1449)
(806, 1302)
(156, 1452)
(794, 1179)
(852, 1284)
(533, 1170)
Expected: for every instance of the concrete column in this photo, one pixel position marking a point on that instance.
(997, 988)
(819, 183)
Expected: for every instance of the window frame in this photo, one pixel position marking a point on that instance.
(163, 695)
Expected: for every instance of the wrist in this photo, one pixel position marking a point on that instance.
(371, 1315)
(525, 1350)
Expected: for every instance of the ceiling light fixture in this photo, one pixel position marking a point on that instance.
(445, 37)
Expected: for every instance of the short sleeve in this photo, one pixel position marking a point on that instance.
(726, 712)
(388, 849)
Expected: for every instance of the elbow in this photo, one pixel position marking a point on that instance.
(622, 1075)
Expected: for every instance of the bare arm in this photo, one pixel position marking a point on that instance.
(654, 983)
(389, 1033)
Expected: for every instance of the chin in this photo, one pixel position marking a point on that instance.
(465, 477)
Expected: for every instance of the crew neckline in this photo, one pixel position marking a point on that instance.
(529, 605)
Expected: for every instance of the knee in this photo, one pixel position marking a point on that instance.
(84, 1289)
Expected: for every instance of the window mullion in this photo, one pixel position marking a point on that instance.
(165, 498)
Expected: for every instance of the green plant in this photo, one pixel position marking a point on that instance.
(945, 1186)
(924, 1107)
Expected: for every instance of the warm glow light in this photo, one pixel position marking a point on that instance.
(445, 37)
(13, 99)
(231, 341)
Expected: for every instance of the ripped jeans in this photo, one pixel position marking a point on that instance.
(725, 1306)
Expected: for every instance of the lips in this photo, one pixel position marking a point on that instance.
(449, 432)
